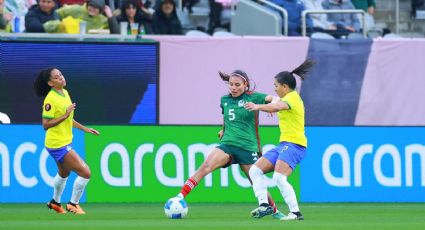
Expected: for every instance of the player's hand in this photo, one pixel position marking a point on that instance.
(70, 109)
(93, 131)
(251, 106)
(220, 134)
(108, 12)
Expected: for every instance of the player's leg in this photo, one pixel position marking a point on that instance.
(276, 213)
(216, 159)
(288, 159)
(59, 180)
(73, 162)
(256, 173)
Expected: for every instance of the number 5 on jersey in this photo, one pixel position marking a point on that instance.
(231, 114)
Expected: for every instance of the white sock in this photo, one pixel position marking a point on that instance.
(58, 187)
(258, 185)
(78, 189)
(287, 191)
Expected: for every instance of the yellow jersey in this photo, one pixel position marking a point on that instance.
(291, 121)
(54, 106)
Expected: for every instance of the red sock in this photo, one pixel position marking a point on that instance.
(273, 204)
(188, 186)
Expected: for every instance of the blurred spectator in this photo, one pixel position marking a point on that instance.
(19, 7)
(417, 5)
(320, 21)
(5, 18)
(188, 4)
(165, 20)
(215, 15)
(131, 13)
(295, 9)
(365, 5)
(39, 14)
(344, 23)
(91, 13)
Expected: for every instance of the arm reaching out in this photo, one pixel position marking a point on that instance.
(84, 128)
(271, 108)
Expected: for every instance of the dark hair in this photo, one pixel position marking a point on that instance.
(237, 73)
(41, 87)
(288, 78)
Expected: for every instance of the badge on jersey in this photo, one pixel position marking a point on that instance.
(47, 107)
(241, 103)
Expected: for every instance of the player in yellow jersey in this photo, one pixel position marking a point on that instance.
(58, 113)
(292, 148)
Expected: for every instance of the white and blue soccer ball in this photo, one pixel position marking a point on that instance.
(176, 208)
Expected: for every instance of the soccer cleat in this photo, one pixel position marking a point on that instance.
(74, 208)
(278, 215)
(55, 206)
(262, 211)
(293, 216)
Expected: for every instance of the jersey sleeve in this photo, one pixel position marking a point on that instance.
(259, 98)
(49, 109)
(289, 100)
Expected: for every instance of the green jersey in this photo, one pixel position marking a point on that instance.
(241, 125)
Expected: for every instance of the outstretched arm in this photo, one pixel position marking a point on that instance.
(271, 108)
(84, 128)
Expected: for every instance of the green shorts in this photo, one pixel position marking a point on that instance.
(239, 155)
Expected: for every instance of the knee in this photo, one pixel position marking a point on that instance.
(86, 173)
(279, 178)
(63, 173)
(254, 171)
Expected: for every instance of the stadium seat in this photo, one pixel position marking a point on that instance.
(196, 33)
(355, 36)
(320, 35)
(392, 36)
(223, 34)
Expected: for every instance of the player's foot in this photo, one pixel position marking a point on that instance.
(55, 206)
(293, 216)
(261, 211)
(74, 208)
(180, 196)
(278, 215)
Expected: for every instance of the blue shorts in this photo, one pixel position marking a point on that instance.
(288, 152)
(59, 153)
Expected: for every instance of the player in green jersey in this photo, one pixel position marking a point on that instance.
(58, 120)
(239, 141)
(292, 148)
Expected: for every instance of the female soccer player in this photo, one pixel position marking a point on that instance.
(239, 142)
(292, 148)
(58, 113)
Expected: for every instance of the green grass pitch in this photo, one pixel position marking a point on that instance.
(344, 216)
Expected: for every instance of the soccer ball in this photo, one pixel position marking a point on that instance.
(175, 208)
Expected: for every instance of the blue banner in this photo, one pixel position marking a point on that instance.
(364, 164)
(336, 81)
(26, 169)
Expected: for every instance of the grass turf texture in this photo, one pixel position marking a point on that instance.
(122, 216)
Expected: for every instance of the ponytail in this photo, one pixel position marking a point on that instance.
(303, 69)
(237, 73)
(287, 78)
(41, 87)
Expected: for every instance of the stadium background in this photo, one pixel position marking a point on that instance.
(363, 103)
